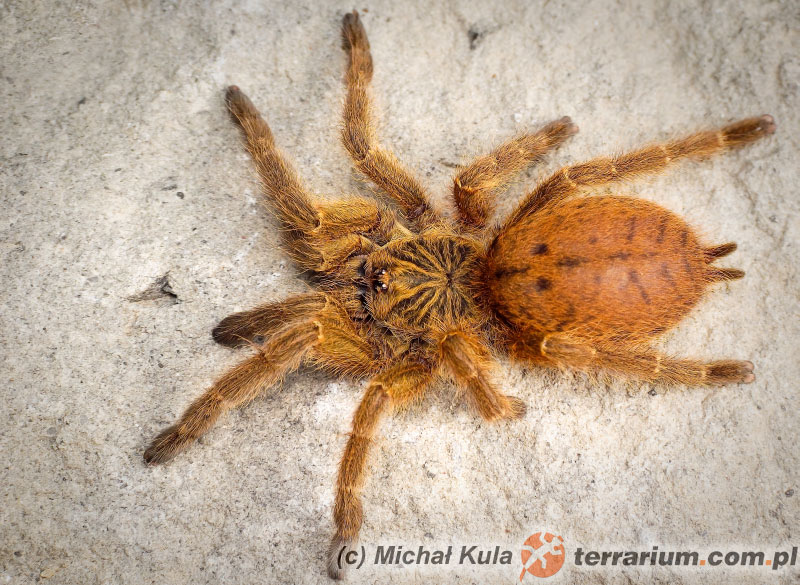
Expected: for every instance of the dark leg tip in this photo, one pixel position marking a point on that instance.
(238, 104)
(561, 129)
(151, 455)
(336, 549)
(350, 19)
(353, 33)
(232, 92)
(232, 331)
(222, 335)
(767, 124)
(571, 127)
(163, 448)
(731, 372)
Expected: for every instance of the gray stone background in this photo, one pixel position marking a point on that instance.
(120, 166)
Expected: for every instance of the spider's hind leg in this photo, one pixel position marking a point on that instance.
(643, 363)
(649, 160)
(241, 384)
(398, 386)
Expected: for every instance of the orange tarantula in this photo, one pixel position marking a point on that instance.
(410, 296)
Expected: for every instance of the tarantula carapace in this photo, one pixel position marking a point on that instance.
(405, 298)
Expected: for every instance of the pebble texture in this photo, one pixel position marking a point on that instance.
(131, 224)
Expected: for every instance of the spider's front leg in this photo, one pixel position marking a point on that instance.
(293, 204)
(358, 134)
(318, 235)
(396, 387)
(325, 338)
(475, 186)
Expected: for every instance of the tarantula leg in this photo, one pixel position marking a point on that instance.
(644, 364)
(647, 160)
(343, 351)
(259, 324)
(320, 334)
(398, 386)
(358, 134)
(279, 356)
(319, 236)
(475, 185)
(292, 203)
(470, 366)
(358, 215)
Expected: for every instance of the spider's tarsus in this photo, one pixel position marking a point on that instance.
(160, 450)
(353, 33)
(240, 107)
(572, 127)
(232, 92)
(234, 96)
(731, 372)
(228, 332)
(350, 19)
(749, 376)
(335, 550)
(564, 127)
(768, 124)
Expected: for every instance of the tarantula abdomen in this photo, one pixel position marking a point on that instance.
(602, 268)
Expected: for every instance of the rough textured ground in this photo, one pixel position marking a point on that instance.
(120, 166)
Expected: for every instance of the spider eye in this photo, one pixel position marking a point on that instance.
(258, 339)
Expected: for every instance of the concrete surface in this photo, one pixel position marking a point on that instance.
(120, 166)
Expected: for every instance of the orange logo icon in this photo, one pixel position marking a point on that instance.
(542, 555)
